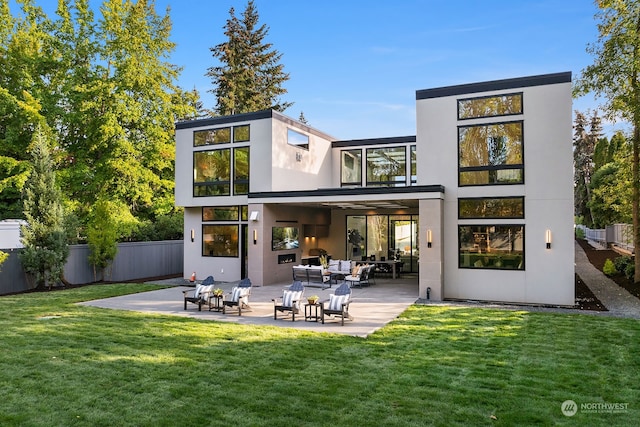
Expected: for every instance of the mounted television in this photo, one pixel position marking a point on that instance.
(284, 238)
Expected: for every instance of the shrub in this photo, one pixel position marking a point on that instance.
(630, 270)
(609, 268)
(621, 262)
(579, 233)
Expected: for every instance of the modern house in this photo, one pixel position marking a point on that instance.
(477, 205)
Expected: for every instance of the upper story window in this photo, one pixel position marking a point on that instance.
(212, 173)
(351, 170)
(241, 170)
(387, 167)
(414, 165)
(297, 139)
(212, 136)
(490, 154)
(241, 133)
(490, 106)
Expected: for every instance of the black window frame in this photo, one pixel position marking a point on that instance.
(486, 255)
(489, 168)
(521, 94)
(208, 131)
(462, 199)
(218, 255)
(248, 127)
(350, 184)
(217, 183)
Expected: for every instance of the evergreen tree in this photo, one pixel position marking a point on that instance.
(615, 74)
(583, 150)
(44, 237)
(249, 77)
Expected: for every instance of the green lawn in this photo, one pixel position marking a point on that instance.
(66, 365)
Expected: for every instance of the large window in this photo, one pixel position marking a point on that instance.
(490, 106)
(241, 170)
(491, 207)
(491, 154)
(387, 167)
(351, 167)
(491, 246)
(212, 173)
(384, 238)
(211, 136)
(220, 240)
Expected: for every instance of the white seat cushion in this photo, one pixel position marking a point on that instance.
(336, 301)
(288, 298)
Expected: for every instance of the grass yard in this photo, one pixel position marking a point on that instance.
(68, 365)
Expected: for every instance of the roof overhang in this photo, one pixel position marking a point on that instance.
(363, 198)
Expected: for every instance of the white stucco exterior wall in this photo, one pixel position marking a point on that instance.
(548, 277)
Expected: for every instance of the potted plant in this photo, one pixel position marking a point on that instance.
(218, 292)
(324, 261)
(313, 299)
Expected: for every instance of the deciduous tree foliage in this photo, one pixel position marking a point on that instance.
(615, 75)
(249, 77)
(106, 90)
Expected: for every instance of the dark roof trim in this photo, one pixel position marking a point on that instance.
(245, 117)
(520, 82)
(375, 141)
(223, 120)
(351, 191)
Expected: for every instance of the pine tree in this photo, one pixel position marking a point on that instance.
(249, 77)
(44, 238)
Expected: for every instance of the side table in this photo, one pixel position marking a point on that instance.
(215, 302)
(311, 312)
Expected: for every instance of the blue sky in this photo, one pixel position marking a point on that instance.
(355, 65)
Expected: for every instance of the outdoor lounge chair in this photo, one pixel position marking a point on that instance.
(239, 298)
(200, 293)
(337, 304)
(361, 276)
(290, 301)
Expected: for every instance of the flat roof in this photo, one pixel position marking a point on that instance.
(493, 85)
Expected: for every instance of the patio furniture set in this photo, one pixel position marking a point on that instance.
(290, 303)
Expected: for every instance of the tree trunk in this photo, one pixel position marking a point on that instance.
(636, 196)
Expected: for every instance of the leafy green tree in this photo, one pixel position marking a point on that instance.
(249, 77)
(102, 234)
(615, 74)
(44, 236)
(3, 258)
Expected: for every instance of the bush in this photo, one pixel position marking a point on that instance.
(630, 270)
(609, 268)
(622, 262)
(579, 233)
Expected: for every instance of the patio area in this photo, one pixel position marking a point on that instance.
(372, 307)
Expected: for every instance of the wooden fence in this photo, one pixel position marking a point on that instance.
(134, 261)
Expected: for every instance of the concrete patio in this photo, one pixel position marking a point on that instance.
(371, 307)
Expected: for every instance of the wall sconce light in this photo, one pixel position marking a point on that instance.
(255, 236)
(547, 238)
(193, 235)
(429, 238)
